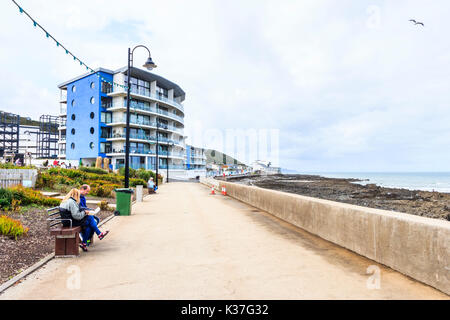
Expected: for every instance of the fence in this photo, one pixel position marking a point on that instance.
(14, 177)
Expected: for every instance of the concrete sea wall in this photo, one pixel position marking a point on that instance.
(416, 246)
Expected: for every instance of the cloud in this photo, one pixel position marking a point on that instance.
(351, 85)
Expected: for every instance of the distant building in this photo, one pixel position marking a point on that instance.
(195, 158)
(265, 167)
(28, 139)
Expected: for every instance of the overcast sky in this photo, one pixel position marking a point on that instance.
(350, 85)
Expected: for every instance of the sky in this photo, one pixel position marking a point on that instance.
(337, 86)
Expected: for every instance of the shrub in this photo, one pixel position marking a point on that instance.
(12, 198)
(103, 190)
(12, 228)
(136, 182)
(93, 170)
(132, 172)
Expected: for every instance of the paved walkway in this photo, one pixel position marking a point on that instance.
(183, 243)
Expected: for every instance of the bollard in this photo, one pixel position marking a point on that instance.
(212, 190)
(139, 193)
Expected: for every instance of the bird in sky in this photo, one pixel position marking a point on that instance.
(416, 23)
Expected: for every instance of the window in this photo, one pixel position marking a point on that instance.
(106, 87)
(72, 146)
(92, 100)
(105, 147)
(106, 117)
(91, 145)
(73, 117)
(139, 86)
(92, 130)
(105, 133)
(73, 103)
(92, 115)
(73, 131)
(74, 88)
(92, 85)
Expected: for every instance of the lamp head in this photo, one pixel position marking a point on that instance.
(149, 64)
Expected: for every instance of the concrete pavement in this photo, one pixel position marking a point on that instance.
(183, 243)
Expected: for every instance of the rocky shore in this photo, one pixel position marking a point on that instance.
(422, 203)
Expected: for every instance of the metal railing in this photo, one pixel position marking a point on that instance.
(143, 107)
(153, 96)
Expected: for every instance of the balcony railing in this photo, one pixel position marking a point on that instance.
(150, 95)
(149, 166)
(149, 151)
(143, 136)
(138, 106)
(122, 119)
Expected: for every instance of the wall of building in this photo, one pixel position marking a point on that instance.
(415, 246)
(79, 104)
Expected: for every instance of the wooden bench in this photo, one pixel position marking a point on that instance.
(67, 239)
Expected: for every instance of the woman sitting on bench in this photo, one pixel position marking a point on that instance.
(69, 209)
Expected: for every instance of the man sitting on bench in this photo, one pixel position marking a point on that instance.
(70, 209)
(84, 190)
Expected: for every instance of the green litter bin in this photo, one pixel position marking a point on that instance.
(123, 201)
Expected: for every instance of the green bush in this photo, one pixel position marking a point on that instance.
(132, 172)
(137, 182)
(143, 174)
(93, 170)
(11, 198)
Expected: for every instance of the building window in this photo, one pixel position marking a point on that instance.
(139, 86)
(72, 146)
(74, 88)
(106, 117)
(106, 87)
(91, 145)
(92, 115)
(105, 147)
(73, 103)
(73, 117)
(92, 100)
(92, 85)
(105, 133)
(73, 131)
(92, 130)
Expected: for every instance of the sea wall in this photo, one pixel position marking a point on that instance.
(416, 246)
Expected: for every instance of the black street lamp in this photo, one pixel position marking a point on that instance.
(171, 146)
(157, 147)
(149, 64)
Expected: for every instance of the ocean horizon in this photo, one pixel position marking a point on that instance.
(425, 181)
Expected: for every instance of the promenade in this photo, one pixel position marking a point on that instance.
(184, 243)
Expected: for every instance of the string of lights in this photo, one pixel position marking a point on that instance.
(68, 52)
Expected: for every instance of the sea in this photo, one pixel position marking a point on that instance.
(426, 181)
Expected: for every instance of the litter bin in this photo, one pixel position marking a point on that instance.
(123, 201)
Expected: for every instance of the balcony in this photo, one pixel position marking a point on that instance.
(143, 122)
(143, 136)
(149, 166)
(137, 107)
(144, 94)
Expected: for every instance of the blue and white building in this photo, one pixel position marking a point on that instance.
(93, 121)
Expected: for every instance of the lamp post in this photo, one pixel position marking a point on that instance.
(171, 146)
(149, 64)
(157, 147)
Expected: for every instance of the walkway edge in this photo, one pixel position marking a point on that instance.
(37, 265)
